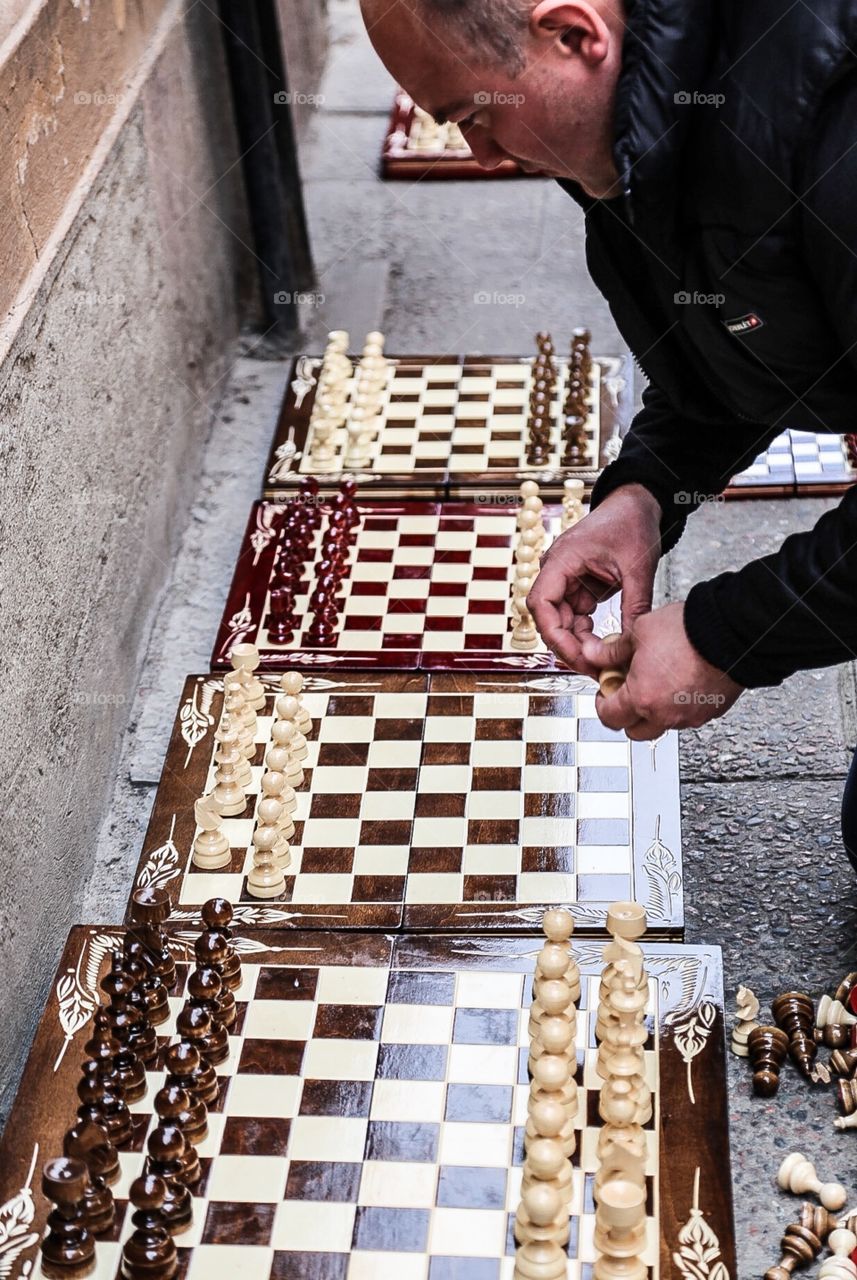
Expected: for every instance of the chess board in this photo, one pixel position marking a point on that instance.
(371, 1112)
(802, 463)
(427, 585)
(435, 801)
(451, 425)
(415, 148)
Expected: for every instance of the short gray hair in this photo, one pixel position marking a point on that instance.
(495, 27)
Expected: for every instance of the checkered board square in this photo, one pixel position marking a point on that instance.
(449, 424)
(800, 462)
(437, 801)
(426, 585)
(371, 1112)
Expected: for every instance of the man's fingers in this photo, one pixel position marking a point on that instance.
(637, 589)
(617, 711)
(615, 652)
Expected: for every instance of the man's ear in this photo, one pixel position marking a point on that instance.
(575, 27)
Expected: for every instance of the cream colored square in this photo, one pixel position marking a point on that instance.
(388, 805)
(312, 1226)
(412, 1100)
(586, 706)
(497, 753)
(487, 625)
(331, 833)
(322, 888)
(498, 525)
(468, 1233)
(482, 1064)
(279, 1020)
(494, 804)
(248, 1178)
(398, 624)
(364, 606)
(492, 558)
(343, 780)
(491, 859)
(327, 1138)
(446, 833)
(434, 887)
(398, 1184)
(604, 804)
(226, 1261)
(547, 886)
(400, 706)
(368, 1265)
(446, 606)
(352, 984)
(346, 729)
(606, 860)
(444, 778)
(487, 1146)
(500, 706)
(249, 978)
(482, 989)
(210, 1144)
(549, 779)
(543, 831)
(449, 729)
(340, 1060)
(481, 589)
(411, 589)
(615, 753)
(197, 889)
(394, 755)
(551, 729)
(450, 572)
(264, 1096)
(423, 556)
(381, 860)
(417, 1024)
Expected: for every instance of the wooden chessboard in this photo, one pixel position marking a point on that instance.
(435, 801)
(451, 426)
(416, 148)
(371, 1112)
(428, 585)
(799, 463)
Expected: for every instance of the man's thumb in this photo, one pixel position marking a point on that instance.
(611, 651)
(636, 598)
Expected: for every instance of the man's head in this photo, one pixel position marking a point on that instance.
(531, 79)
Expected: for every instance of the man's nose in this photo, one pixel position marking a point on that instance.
(484, 148)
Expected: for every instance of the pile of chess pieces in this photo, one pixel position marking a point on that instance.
(625, 1104)
(530, 543)
(123, 1046)
(575, 409)
(817, 1226)
(798, 1029)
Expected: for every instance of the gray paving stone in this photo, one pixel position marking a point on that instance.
(353, 80)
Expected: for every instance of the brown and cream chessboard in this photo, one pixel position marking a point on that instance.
(370, 1113)
(433, 801)
(447, 426)
(426, 585)
(417, 147)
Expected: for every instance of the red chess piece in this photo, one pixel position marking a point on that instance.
(280, 622)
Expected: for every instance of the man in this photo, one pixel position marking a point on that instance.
(713, 150)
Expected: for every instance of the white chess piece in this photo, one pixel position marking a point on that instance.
(245, 659)
(797, 1174)
(211, 846)
(266, 879)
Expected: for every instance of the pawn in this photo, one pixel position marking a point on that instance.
(839, 1266)
(546, 1162)
(166, 1148)
(217, 913)
(88, 1142)
(204, 987)
(149, 1253)
(767, 1047)
(211, 950)
(96, 1104)
(289, 709)
(186, 1069)
(194, 1027)
(68, 1248)
(558, 925)
(540, 1260)
(547, 1119)
(798, 1174)
(794, 1013)
(542, 1215)
(553, 1077)
(228, 794)
(211, 846)
(174, 1106)
(151, 990)
(292, 683)
(265, 879)
(801, 1243)
(556, 1036)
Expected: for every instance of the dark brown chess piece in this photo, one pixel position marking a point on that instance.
(117, 986)
(152, 991)
(204, 988)
(100, 1066)
(847, 1095)
(166, 1148)
(794, 1013)
(69, 1248)
(93, 1095)
(843, 1062)
(211, 950)
(802, 1241)
(833, 1036)
(88, 1142)
(846, 986)
(149, 1253)
(767, 1048)
(174, 1105)
(194, 1026)
(186, 1069)
(217, 914)
(150, 910)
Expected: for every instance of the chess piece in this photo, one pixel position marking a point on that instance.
(794, 1014)
(150, 910)
(572, 502)
(620, 1231)
(801, 1243)
(88, 1143)
(150, 993)
(846, 992)
(832, 1013)
(96, 1102)
(204, 989)
(622, 1152)
(524, 636)
(228, 794)
(547, 1118)
(540, 1260)
(746, 1019)
(843, 1062)
(265, 879)
(68, 1248)
(610, 679)
(149, 1253)
(245, 659)
(558, 926)
(847, 1096)
(797, 1174)
(217, 913)
(166, 1152)
(100, 1065)
(194, 1027)
(211, 846)
(292, 683)
(542, 1215)
(174, 1106)
(547, 1163)
(767, 1048)
(839, 1266)
(187, 1070)
(120, 1020)
(212, 951)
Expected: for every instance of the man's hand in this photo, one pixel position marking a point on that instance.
(617, 546)
(668, 686)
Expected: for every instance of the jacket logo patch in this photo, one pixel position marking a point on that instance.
(744, 324)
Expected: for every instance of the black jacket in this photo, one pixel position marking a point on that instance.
(736, 138)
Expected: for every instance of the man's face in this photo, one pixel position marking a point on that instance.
(553, 117)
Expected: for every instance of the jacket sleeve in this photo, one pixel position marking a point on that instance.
(798, 608)
(681, 462)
